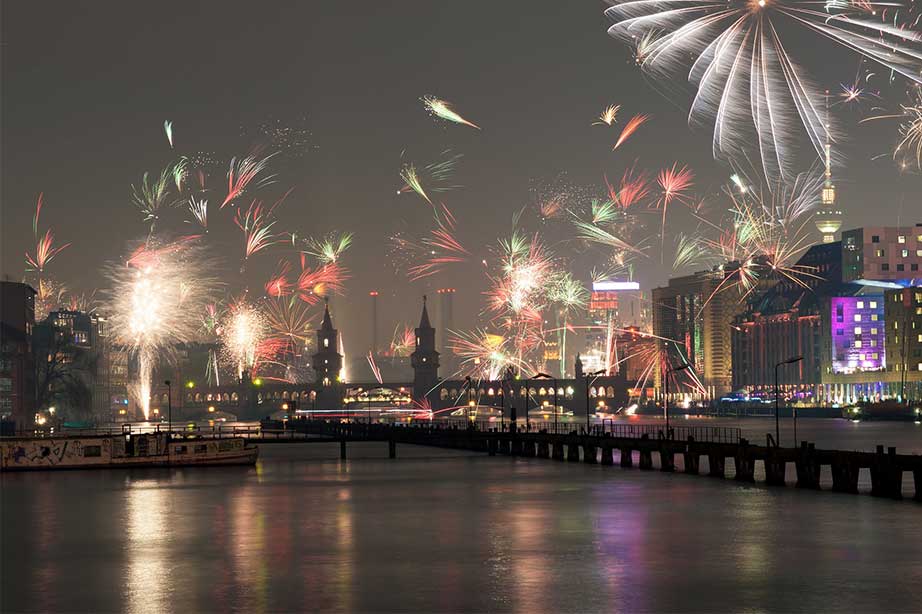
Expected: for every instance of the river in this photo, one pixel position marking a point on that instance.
(438, 530)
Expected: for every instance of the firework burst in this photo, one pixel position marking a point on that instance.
(746, 84)
(246, 171)
(155, 300)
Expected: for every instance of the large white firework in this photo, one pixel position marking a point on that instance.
(759, 100)
(155, 300)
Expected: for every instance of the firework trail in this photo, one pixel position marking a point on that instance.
(152, 195)
(199, 210)
(45, 249)
(168, 129)
(437, 176)
(314, 284)
(609, 115)
(747, 85)
(245, 171)
(630, 128)
(370, 357)
(673, 183)
(279, 285)
(328, 249)
(403, 342)
(634, 187)
(442, 109)
(440, 247)
(568, 295)
(155, 300)
(256, 227)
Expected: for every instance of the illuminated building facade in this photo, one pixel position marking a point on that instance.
(882, 253)
(857, 333)
(691, 322)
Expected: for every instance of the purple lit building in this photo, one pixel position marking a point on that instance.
(858, 333)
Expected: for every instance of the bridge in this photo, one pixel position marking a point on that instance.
(642, 445)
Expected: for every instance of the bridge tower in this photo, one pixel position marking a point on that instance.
(425, 359)
(327, 361)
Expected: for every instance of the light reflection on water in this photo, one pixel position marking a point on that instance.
(442, 531)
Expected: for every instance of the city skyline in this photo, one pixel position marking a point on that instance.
(343, 148)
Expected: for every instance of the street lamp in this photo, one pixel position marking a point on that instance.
(470, 386)
(554, 379)
(594, 374)
(666, 397)
(169, 404)
(789, 361)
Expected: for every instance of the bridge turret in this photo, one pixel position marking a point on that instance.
(425, 358)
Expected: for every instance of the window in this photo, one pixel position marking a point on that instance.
(857, 317)
(180, 449)
(326, 342)
(873, 331)
(858, 343)
(901, 239)
(919, 339)
(873, 343)
(879, 253)
(875, 356)
(201, 448)
(860, 305)
(913, 267)
(873, 304)
(885, 267)
(875, 239)
(919, 252)
(900, 267)
(857, 330)
(904, 253)
(89, 451)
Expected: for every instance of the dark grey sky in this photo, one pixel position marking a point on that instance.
(87, 86)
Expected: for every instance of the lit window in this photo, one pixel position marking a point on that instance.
(873, 304)
(873, 331)
(857, 317)
(860, 305)
(879, 253)
(857, 330)
(904, 253)
(901, 239)
(326, 343)
(873, 317)
(919, 339)
(920, 366)
(858, 343)
(873, 343)
(919, 252)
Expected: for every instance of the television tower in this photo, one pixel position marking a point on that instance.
(828, 218)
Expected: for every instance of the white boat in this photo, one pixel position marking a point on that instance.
(156, 449)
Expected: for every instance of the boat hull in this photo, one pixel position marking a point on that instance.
(120, 452)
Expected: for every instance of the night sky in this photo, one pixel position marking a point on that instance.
(87, 87)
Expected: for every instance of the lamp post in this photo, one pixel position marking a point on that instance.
(666, 397)
(594, 374)
(777, 422)
(469, 387)
(553, 379)
(169, 405)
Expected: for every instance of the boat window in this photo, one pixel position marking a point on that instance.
(92, 451)
(180, 449)
(201, 448)
(225, 445)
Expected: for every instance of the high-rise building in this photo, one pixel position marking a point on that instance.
(692, 319)
(17, 362)
(882, 253)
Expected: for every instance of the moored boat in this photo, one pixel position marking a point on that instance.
(889, 409)
(157, 449)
